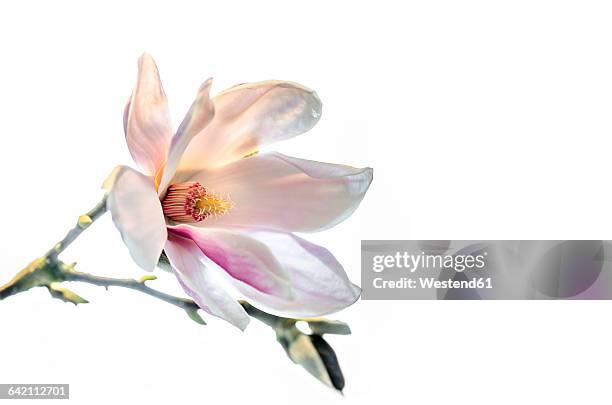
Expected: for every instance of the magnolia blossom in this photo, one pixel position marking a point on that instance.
(225, 214)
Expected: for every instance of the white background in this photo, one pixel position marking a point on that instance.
(481, 119)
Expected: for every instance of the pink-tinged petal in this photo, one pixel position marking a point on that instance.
(250, 116)
(280, 192)
(200, 114)
(137, 214)
(146, 119)
(199, 282)
(244, 258)
(318, 282)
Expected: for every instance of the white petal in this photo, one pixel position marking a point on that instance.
(146, 119)
(250, 116)
(137, 213)
(318, 282)
(199, 283)
(199, 115)
(280, 192)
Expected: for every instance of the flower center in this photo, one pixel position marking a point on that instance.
(191, 202)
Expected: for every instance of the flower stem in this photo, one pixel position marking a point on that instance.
(83, 222)
(48, 270)
(138, 285)
(309, 350)
(44, 271)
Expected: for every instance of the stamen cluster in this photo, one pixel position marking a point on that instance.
(191, 202)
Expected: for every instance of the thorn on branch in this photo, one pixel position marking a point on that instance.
(320, 326)
(144, 279)
(195, 316)
(84, 221)
(65, 294)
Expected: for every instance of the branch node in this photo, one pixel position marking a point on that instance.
(144, 279)
(84, 221)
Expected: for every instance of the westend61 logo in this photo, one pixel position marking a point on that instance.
(412, 262)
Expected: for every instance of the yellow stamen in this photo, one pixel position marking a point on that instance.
(190, 202)
(213, 204)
